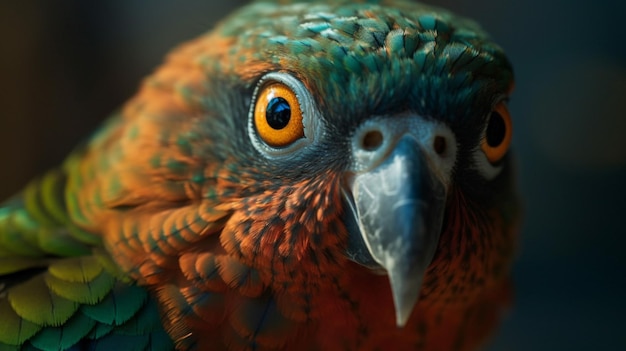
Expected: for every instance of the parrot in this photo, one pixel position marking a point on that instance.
(307, 175)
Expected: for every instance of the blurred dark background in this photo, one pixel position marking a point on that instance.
(65, 65)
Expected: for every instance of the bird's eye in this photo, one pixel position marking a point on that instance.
(497, 138)
(278, 115)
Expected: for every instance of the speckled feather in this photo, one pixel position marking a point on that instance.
(242, 252)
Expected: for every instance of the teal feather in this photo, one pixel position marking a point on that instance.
(113, 341)
(64, 336)
(118, 306)
(145, 320)
(29, 347)
(99, 331)
(148, 342)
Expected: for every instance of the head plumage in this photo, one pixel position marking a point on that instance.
(404, 57)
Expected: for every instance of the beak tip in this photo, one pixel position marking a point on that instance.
(401, 319)
(405, 297)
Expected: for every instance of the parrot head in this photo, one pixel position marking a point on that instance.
(349, 131)
(297, 144)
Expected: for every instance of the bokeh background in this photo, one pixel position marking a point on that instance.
(65, 65)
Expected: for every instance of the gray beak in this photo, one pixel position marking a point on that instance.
(397, 209)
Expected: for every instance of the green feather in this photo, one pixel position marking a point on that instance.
(15, 264)
(33, 301)
(60, 242)
(36, 223)
(14, 330)
(18, 233)
(77, 270)
(109, 265)
(35, 207)
(89, 292)
(53, 196)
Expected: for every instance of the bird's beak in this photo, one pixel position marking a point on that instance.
(397, 212)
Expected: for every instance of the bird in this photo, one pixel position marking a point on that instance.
(305, 176)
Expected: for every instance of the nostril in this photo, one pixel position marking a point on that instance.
(372, 140)
(439, 144)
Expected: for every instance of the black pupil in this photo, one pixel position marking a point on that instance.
(278, 113)
(496, 130)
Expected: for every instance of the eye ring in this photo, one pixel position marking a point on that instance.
(498, 133)
(282, 116)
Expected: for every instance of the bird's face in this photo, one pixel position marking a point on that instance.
(357, 133)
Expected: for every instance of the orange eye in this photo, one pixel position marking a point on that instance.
(497, 137)
(278, 116)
